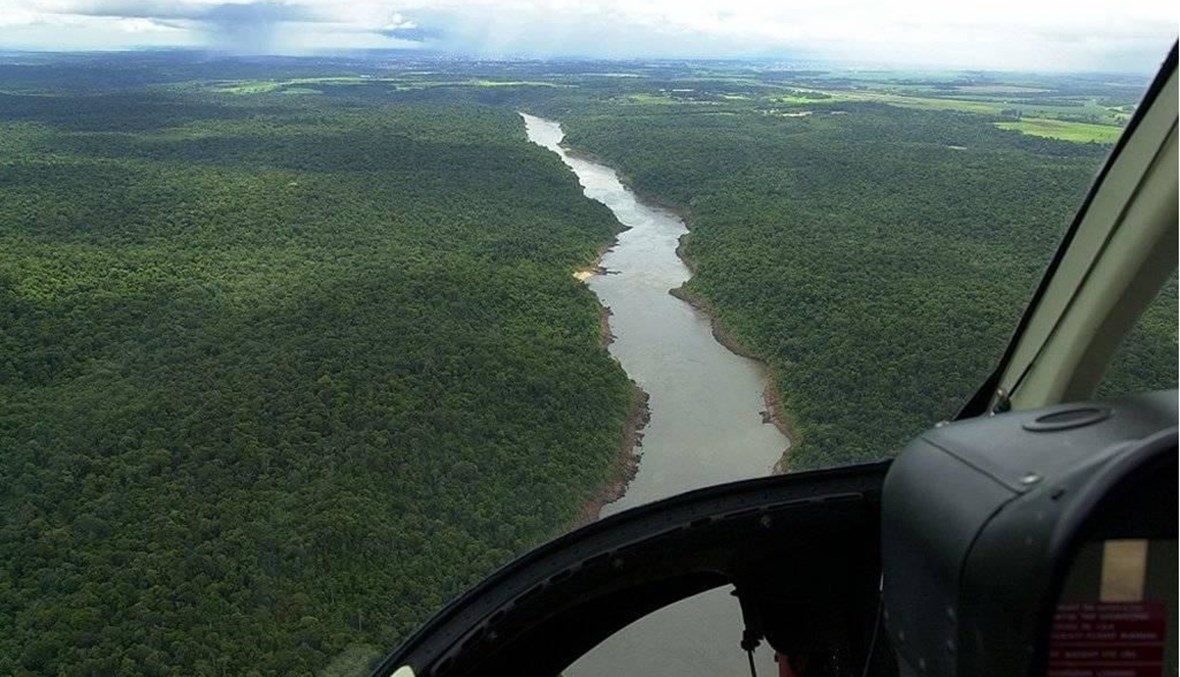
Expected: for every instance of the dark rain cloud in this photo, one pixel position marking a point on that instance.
(269, 10)
(412, 33)
(249, 28)
(235, 27)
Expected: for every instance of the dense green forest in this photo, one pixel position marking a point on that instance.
(290, 352)
(273, 374)
(877, 256)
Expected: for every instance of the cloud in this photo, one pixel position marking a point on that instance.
(251, 28)
(178, 9)
(412, 33)
(240, 27)
(141, 25)
(991, 34)
(1047, 34)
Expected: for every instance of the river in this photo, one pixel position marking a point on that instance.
(706, 424)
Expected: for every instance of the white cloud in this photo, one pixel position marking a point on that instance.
(141, 25)
(1050, 34)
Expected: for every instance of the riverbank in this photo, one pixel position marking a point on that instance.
(595, 266)
(605, 335)
(774, 413)
(625, 465)
(681, 212)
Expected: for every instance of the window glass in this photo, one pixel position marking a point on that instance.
(313, 313)
(1146, 357)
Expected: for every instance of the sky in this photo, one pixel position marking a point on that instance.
(1049, 35)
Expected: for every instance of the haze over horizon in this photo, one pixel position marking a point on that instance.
(1000, 35)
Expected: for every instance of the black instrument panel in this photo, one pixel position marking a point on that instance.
(983, 520)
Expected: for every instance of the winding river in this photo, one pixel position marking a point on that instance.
(706, 425)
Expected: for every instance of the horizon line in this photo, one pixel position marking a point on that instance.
(804, 63)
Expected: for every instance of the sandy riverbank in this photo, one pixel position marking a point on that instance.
(595, 266)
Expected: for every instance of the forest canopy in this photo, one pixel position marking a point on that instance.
(272, 374)
(877, 257)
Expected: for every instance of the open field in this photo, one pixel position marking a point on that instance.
(1065, 130)
(308, 85)
(1073, 108)
(1091, 110)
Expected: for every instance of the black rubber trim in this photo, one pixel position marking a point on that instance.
(978, 404)
(560, 599)
(1067, 418)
